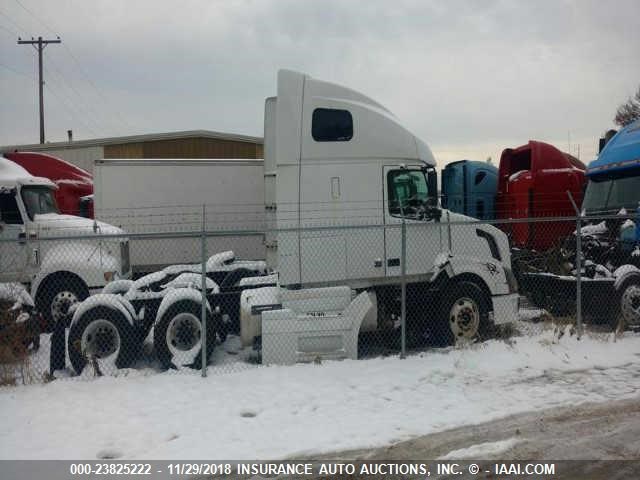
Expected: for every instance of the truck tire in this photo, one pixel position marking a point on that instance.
(56, 295)
(464, 314)
(177, 336)
(104, 337)
(627, 311)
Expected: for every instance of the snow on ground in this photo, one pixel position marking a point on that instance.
(482, 450)
(279, 412)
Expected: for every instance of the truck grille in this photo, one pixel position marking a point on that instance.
(124, 258)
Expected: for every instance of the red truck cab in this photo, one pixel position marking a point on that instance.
(533, 181)
(75, 185)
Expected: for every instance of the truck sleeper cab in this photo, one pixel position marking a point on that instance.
(35, 252)
(347, 175)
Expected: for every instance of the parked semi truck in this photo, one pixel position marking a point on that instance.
(75, 185)
(168, 195)
(533, 181)
(610, 241)
(340, 175)
(61, 271)
(336, 161)
(469, 187)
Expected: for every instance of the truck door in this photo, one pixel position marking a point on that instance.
(405, 191)
(13, 249)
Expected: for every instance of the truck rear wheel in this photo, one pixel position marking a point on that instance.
(628, 312)
(56, 295)
(465, 314)
(103, 337)
(177, 336)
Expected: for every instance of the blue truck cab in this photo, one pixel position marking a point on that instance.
(469, 187)
(614, 177)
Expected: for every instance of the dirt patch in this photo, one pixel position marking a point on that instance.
(603, 431)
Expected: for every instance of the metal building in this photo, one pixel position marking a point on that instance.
(187, 144)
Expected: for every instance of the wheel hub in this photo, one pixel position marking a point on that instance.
(184, 332)
(464, 319)
(61, 303)
(630, 305)
(100, 339)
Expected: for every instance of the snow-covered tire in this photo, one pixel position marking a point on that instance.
(56, 295)
(118, 287)
(104, 335)
(177, 336)
(464, 314)
(627, 311)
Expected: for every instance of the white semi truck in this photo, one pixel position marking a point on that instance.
(340, 176)
(65, 268)
(167, 195)
(341, 172)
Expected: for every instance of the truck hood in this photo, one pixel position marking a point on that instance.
(54, 224)
(500, 237)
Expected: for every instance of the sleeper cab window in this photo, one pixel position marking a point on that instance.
(331, 125)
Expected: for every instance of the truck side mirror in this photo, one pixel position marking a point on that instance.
(431, 209)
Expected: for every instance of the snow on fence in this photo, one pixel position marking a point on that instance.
(439, 284)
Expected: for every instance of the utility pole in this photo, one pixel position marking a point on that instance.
(39, 45)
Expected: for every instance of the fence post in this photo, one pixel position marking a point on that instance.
(403, 286)
(203, 286)
(578, 265)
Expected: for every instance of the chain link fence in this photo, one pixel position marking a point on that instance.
(109, 303)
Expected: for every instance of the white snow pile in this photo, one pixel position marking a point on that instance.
(16, 294)
(595, 229)
(280, 412)
(482, 450)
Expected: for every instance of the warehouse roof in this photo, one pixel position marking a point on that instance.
(150, 137)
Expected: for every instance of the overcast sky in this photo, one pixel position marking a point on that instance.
(468, 77)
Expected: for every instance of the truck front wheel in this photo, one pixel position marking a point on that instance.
(103, 337)
(465, 314)
(177, 337)
(56, 296)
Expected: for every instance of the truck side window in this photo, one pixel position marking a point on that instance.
(407, 191)
(9, 212)
(331, 125)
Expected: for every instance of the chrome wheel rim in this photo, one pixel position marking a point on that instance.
(100, 339)
(61, 303)
(630, 305)
(184, 334)
(464, 319)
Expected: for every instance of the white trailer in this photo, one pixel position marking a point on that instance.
(168, 195)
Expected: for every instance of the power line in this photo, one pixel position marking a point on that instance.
(70, 111)
(17, 72)
(9, 31)
(37, 18)
(41, 44)
(78, 65)
(14, 23)
(81, 98)
(76, 104)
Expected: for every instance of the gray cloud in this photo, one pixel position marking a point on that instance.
(468, 77)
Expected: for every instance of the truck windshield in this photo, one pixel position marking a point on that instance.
(612, 194)
(408, 192)
(38, 200)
